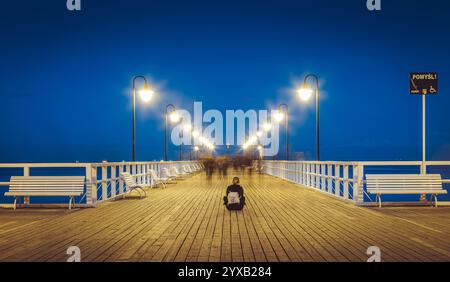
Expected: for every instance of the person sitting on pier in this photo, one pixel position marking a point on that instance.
(234, 199)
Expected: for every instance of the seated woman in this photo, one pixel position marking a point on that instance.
(234, 199)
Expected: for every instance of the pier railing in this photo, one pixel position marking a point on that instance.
(345, 180)
(103, 180)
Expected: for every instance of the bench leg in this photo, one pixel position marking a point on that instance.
(379, 200)
(138, 190)
(70, 202)
(435, 200)
(15, 203)
(143, 190)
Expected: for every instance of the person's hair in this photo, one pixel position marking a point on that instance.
(235, 180)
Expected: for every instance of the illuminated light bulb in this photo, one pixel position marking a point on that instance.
(146, 94)
(305, 93)
(174, 117)
(279, 116)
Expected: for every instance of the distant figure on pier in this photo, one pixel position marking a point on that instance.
(234, 199)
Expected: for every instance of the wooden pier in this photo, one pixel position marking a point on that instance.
(187, 222)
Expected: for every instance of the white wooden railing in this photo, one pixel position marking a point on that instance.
(344, 180)
(103, 180)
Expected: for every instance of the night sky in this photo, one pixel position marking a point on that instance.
(65, 77)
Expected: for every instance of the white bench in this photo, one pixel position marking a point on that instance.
(46, 186)
(178, 173)
(158, 180)
(131, 183)
(193, 168)
(187, 169)
(421, 184)
(171, 176)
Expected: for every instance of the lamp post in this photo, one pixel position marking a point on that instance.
(305, 93)
(174, 117)
(145, 94)
(279, 117)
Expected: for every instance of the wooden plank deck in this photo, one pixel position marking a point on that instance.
(187, 222)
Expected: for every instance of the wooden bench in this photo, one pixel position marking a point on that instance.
(422, 184)
(45, 186)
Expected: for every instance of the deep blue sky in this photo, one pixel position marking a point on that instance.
(65, 77)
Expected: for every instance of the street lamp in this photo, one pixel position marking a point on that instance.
(146, 95)
(305, 94)
(279, 116)
(174, 118)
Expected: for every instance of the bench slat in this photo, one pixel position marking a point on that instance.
(403, 176)
(46, 186)
(403, 187)
(46, 189)
(404, 184)
(43, 193)
(387, 191)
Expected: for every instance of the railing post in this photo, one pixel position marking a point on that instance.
(313, 177)
(113, 181)
(121, 186)
(304, 165)
(104, 182)
(288, 171)
(139, 177)
(346, 196)
(290, 175)
(133, 171)
(300, 173)
(308, 176)
(337, 181)
(91, 185)
(358, 184)
(146, 172)
(330, 179)
(322, 177)
(26, 172)
(317, 181)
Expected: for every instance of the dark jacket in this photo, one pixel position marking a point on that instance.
(236, 188)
